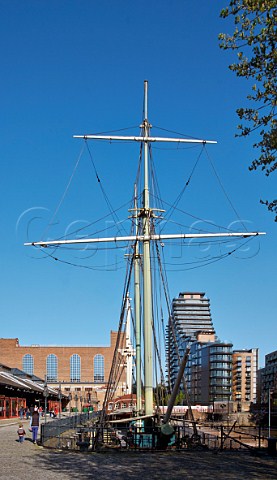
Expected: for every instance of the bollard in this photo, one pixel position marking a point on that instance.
(271, 445)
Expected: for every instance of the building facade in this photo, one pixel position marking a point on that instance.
(190, 315)
(244, 373)
(208, 370)
(209, 373)
(268, 380)
(19, 391)
(81, 372)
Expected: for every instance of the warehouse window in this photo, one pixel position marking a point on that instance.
(99, 368)
(52, 368)
(75, 368)
(28, 364)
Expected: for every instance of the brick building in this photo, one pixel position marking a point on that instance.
(244, 372)
(82, 372)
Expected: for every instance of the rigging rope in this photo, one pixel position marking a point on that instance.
(177, 201)
(112, 211)
(198, 218)
(111, 386)
(176, 348)
(64, 194)
(223, 189)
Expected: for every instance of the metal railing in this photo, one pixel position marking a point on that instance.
(77, 433)
(55, 428)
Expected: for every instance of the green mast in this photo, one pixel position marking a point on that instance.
(137, 257)
(147, 286)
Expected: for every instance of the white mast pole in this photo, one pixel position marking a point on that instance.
(144, 138)
(141, 238)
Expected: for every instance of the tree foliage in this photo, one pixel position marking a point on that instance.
(254, 40)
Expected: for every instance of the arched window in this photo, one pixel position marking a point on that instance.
(98, 368)
(28, 364)
(52, 368)
(75, 368)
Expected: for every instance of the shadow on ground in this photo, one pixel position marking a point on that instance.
(174, 466)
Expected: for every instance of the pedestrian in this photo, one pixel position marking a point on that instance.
(35, 425)
(27, 413)
(130, 438)
(21, 433)
(21, 412)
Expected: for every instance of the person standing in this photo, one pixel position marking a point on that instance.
(21, 433)
(35, 425)
(21, 412)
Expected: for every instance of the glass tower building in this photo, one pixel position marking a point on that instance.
(209, 367)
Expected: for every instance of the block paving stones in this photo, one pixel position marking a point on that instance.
(32, 462)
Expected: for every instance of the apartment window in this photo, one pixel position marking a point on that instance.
(75, 368)
(98, 368)
(52, 368)
(221, 349)
(28, 364)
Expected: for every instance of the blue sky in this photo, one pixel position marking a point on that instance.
(74, 67)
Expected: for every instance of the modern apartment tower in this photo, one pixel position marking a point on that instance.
(209, 368)
(191, 312)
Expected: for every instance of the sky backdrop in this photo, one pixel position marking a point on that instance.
(75, 67)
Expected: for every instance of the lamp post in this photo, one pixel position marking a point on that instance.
(60, 399)
(269, 412)
(89, 404)
(70, 398)
(81, 400)
(213, 408)
(45, 394)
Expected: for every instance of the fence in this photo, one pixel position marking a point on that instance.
(56, 428)
(78, 433)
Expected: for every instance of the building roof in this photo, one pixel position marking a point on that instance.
(15, 378)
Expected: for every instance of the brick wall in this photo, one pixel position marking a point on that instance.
(12, 353)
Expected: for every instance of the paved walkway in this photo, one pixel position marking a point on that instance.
(32, 462)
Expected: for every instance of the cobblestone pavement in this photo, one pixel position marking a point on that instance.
(32, 462)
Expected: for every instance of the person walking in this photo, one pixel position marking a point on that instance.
(21, 433)
(35, 425)
(21, 412)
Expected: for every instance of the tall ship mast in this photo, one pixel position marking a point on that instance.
(142, 239)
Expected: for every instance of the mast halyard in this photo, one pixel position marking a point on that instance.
(143, 235)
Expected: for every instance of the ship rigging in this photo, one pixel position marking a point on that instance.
(145, 243)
